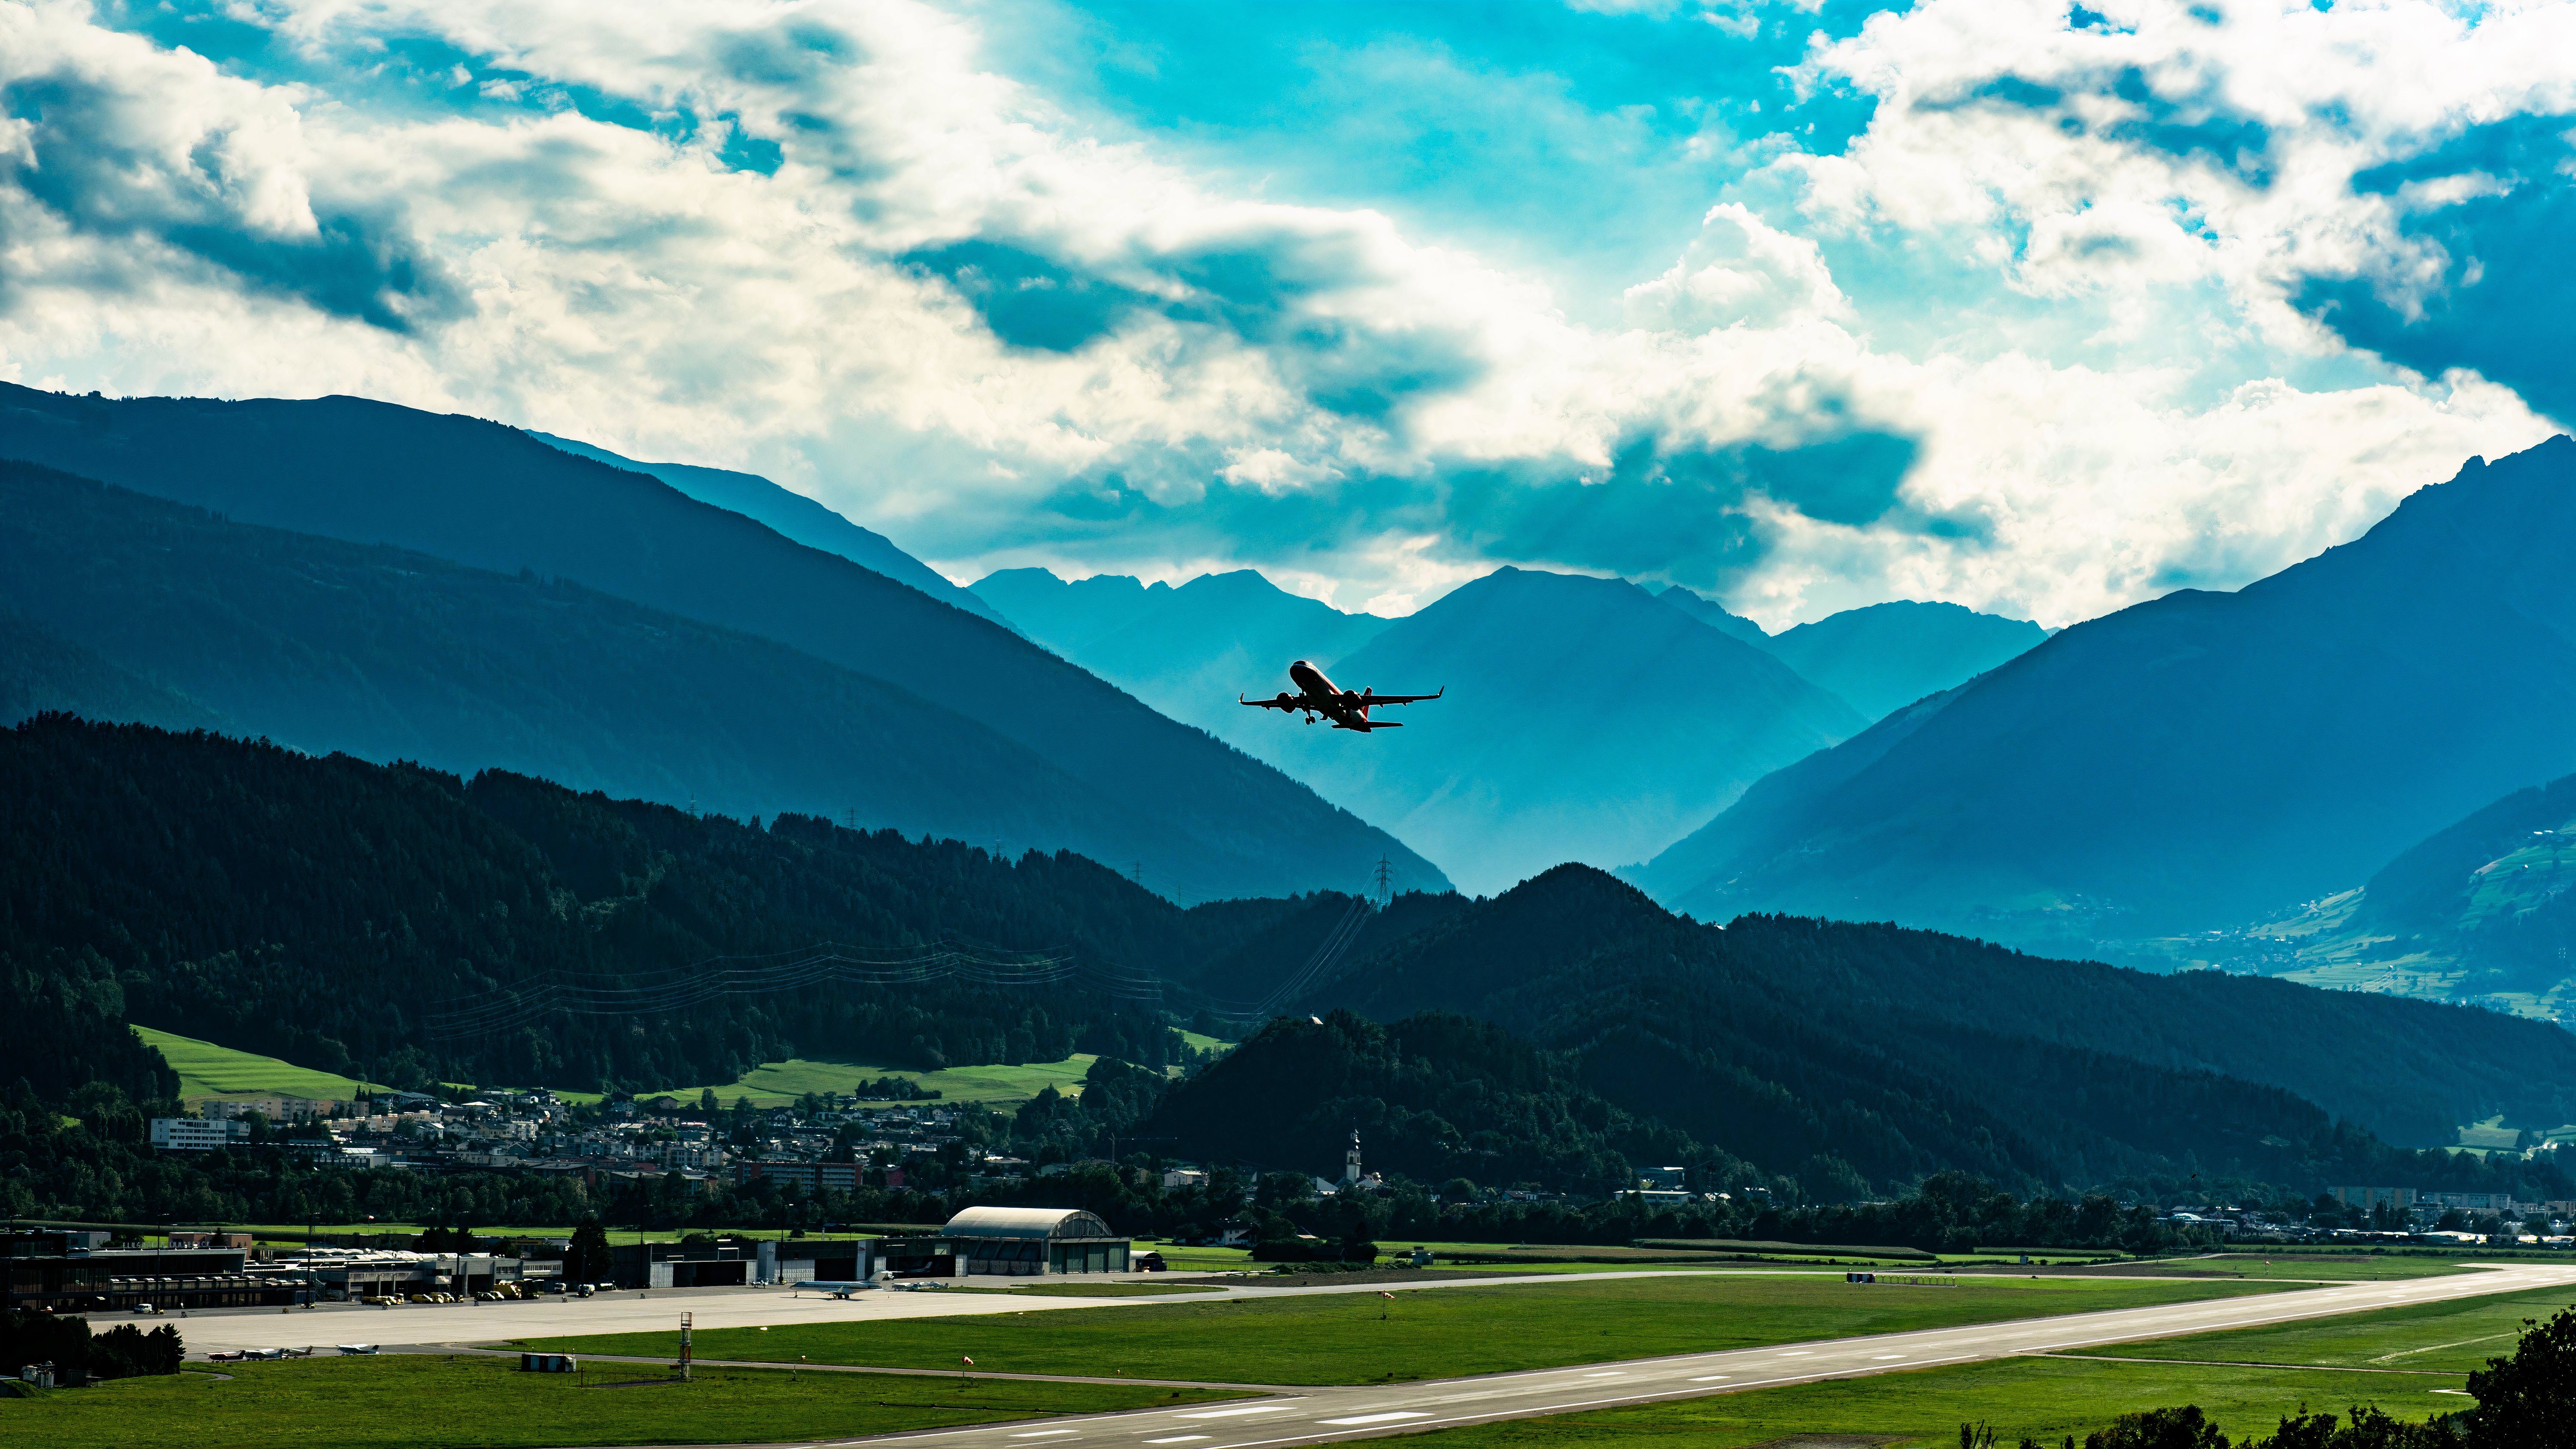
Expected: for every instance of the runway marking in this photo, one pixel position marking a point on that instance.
(1233, 1413)
(1711, 1378)
(1613, 1374)
(1177, 1439)
(1042, 1433)
(1378, 1418)
(1884, 1357)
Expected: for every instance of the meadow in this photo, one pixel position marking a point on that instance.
(2044, 1398)
(2432, 1337)
(207, 1070)
(1420, 1333)
(415, 1401)
(2410, 1362)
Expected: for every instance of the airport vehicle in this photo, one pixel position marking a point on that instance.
(1319, 698)
(145, 1308)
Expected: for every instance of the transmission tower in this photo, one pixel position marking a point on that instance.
(1385, 883)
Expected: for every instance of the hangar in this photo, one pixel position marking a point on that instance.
(1025, 1242)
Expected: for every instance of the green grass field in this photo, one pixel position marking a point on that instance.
(772, 1084)
(207, 1070)
(2044, 1398)
(2444, 1337)
(1420, 1334)
(399, 1401)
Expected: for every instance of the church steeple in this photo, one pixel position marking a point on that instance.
(1351, 1159)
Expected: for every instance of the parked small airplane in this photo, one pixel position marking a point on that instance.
(357, 1348)
(843, 1288)
(1348, 709)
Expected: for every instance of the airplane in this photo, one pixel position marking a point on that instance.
(1347, 708)
(356, 1348)
(843, 1288)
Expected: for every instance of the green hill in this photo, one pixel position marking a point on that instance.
(209, 1071)
(1885, 1051)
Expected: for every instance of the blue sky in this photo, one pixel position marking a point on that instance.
(2038, 308)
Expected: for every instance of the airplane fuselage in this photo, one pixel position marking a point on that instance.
(1318, 698)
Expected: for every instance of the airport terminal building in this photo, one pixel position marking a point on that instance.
(1027, 1242)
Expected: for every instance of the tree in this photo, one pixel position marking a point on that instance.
(587, 1259)
(2183, 1428)
(2528, 1401)
(707, 1102)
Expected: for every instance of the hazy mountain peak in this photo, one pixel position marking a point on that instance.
(1883, 656)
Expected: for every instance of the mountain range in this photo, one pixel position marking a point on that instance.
(1889, 1049)
(1196, 817)
(2198, 761)
(410, 925)
(1583, 724)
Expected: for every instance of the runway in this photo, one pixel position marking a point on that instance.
(632, 1311)
(1322, 1415)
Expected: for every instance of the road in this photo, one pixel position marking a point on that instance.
(1322, 1415)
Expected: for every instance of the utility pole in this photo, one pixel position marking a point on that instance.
(684, 1346)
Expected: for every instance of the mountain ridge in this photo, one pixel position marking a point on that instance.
(2197, 760)
(492, 497)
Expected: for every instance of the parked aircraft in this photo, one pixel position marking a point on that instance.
(356, 1348)
(843, 1288)
(1319, 698)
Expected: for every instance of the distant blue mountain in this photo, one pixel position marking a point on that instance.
(792, 514)
(1187, 651)
(1886, 656)
(1712, 613)
(2201, 760)
(1881, 657)
(1585, 721)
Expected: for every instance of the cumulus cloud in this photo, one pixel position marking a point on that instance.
(824, 240)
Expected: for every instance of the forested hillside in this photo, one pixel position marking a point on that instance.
(327, 910)
(1880, 1052)
(1435, 1097)
(1215, 821)
(407, 925)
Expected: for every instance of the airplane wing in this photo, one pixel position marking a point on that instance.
(1282, 702)
(1375, 700)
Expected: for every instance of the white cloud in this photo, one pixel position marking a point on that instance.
(1213, 376)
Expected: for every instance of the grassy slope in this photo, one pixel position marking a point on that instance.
(1426, 1333)
(397, 1401)
(207, 1070)
(773, 1083)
